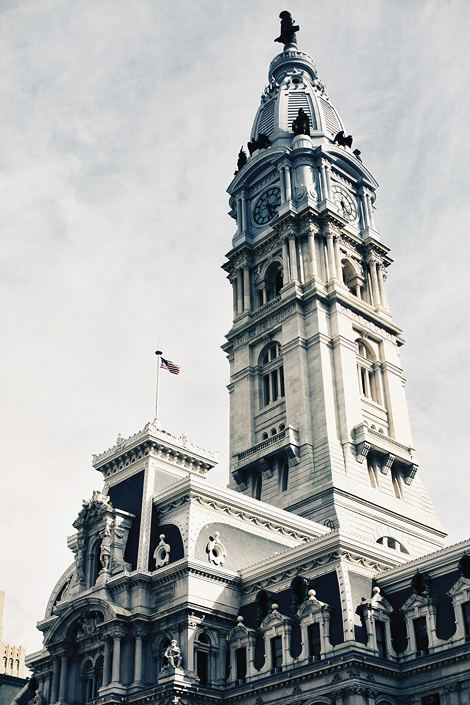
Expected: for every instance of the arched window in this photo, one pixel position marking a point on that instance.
(264, 437)
(17, 664)
(202, 646)
(272, 284)
(87, 681)
(273, 432)
(272, 375)
(366, 372)
(350, 278)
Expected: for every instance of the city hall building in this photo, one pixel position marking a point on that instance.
(319, 576)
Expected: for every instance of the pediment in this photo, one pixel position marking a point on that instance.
(417, 601)
(274, 618)
(460, 586)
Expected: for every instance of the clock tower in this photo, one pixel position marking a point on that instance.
(318, 416)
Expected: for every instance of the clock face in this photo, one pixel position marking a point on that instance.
(345, 203)
(267, 205)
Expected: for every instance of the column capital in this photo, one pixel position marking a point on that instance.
(139, 632)
(117, 633)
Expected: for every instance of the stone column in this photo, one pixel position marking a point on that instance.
(328, 179)
(243, 213)
(288, 183)
(313, 254)
(382, 287)
(235, 299)
(246, 289)
(331, 255)
(285, 263)
(293, 259)
(55, 680)
(282, 183)
(240, 291)
(339, 270)
(375, 282)
(222, 656)
(106, 661)
(365, 214)
(64, 662)
(239, 215)
(116, 667)
(324, 188)
(300, 261)
(138, 636)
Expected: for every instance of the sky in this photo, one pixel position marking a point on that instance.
(121, 124)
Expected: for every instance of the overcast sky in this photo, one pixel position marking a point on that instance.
(121, 123)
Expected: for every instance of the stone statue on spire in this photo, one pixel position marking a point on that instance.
(288, 29)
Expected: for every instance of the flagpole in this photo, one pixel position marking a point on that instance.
(158, 353)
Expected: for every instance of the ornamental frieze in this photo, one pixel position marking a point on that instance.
(261, 328)
(366, 323)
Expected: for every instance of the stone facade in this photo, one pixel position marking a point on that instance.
(318, 575)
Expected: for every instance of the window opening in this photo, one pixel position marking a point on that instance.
(314, 641)
(276, 653)
(466, 619)
(421, 634)
(240, 655)
(366, 373)
(380, 638)
(201, 667)
(273, 378)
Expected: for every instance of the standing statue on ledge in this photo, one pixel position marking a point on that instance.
(301, 124)
(288, 29)
(242, 159)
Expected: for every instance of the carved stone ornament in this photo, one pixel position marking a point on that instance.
(92, 507)
(216, 550)
(161, 554)
(88, 622)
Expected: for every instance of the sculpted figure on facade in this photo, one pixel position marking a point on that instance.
(173, 655)
(91, 507)
(105, 550)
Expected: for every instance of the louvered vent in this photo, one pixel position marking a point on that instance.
(266, 121)
(331, 120)
(297, 101)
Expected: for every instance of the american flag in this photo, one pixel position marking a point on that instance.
(170, 366)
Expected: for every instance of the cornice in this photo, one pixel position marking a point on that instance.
(237, 505)
(436, 563)
(154, 442)
(335, 546)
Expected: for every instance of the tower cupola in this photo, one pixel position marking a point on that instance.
(294, 84)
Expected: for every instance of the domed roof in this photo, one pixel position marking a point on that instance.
(294, 84)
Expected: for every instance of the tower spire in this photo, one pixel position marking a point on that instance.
(313, 349)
